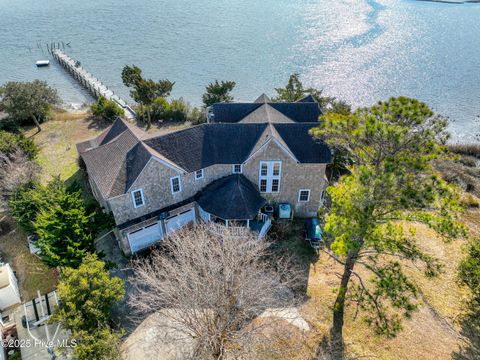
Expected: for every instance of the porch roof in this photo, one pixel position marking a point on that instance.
(232, 197)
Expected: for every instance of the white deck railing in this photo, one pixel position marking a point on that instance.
(229, 231)
(223, 230)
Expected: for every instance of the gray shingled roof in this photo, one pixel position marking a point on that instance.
(116, 157)
(208, 144)
(303, 111)
(232, 197)
(305, 148)
(107, 163)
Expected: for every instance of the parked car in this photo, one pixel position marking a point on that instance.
(313, 233)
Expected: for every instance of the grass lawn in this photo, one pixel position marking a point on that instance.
(32, 274)
(432, 333)
(58, 154)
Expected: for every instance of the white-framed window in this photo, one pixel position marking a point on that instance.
(199, 174)
(237, 168)
(138, 198)
(175, 184)
(304, 195)
(269, 176)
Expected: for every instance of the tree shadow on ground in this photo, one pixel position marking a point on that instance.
(79, 181)
(97, 123)
(325, 350)
(288, 241)
(470, 347)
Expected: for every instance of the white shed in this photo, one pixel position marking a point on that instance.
(9, 294)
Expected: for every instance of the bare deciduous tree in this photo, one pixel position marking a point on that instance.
(212, 290)
(15, 170)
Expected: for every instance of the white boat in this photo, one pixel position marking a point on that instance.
(41, 63)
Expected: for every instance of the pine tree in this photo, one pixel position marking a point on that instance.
(390, 185)
(64, 229)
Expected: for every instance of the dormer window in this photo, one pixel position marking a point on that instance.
(237, 169)
(138, 198)
(199, 174)
(175, 184)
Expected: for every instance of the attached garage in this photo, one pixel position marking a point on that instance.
(176, 222)
(145, 237)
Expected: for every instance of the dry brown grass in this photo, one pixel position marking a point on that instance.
(466, 149)
(432, 332)
(58, 154)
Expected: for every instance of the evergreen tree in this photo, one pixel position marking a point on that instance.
(294, 91)
(217, 92)
(64, 229)
(145, 91)
(27, 100)
(469, 276)
(28, 200)
(10, 143)
(88, 295)
(391, 184)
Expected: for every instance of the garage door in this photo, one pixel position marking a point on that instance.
(145, 237)
(182, 219)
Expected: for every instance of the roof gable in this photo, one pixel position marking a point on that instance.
(107, 164)
(309, 98)
(205, 145)
(300, 112)
(266, 113)
(305, 147)
(264, 110)
(232, 112)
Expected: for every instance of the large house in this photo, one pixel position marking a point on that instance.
(222, 173)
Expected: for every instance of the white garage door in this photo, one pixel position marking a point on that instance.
(145, 237)
(176, 222)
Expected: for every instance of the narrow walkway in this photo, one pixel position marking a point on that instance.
(90, 82)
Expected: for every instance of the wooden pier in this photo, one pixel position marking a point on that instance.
(90, 82)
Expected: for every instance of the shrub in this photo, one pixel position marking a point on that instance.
(470, 200)
(10, 143)
(466, 149)
(107, 109)
(159, 109)
(88, 295)
(178, 110)
(197, 116)
(175, 111)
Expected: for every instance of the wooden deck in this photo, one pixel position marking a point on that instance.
(90, 82)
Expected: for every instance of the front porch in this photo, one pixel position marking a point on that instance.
(232, 207)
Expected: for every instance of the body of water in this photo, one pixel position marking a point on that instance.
(358, 50)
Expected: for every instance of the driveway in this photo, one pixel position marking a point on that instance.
(120, 266)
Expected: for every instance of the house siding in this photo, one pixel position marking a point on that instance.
(155, 182)
(294, 176)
